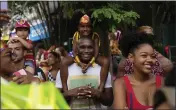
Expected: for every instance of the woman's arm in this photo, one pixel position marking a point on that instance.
(119, 92)
(96, 41)
(74, 47)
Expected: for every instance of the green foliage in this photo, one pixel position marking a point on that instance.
(69, 8)
(106, 15)
(109, 13)
(115, 15)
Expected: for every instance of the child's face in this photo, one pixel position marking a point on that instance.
(22, 32)
(84, 29)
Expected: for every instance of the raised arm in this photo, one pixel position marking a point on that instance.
(74, 46)
(166, 64)
(26, 44)
(96, 41)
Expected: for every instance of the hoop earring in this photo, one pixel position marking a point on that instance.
(128, 66)
(131, 67)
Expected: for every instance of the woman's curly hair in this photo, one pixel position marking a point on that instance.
(131, 41)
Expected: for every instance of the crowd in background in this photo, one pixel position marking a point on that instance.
(83, 76)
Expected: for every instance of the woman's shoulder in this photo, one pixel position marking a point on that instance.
(120, 81)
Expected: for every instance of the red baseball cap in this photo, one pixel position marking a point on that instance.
(22, 24)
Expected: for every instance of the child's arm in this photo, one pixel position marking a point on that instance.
(24, 42)
(96, 41)
(74, 47)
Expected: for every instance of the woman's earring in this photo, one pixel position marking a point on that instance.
(128, 66)
(131, 67)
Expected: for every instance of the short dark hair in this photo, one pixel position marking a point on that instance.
(62, 50)
(86, 38)
(55, 54)
(131, 41)
(24, 48)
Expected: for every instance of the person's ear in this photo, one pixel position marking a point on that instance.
(131, 57)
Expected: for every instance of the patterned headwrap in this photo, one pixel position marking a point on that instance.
(85, 20)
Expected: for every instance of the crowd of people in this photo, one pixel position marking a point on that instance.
(143, 80)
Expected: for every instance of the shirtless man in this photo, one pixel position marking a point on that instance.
(17, 54)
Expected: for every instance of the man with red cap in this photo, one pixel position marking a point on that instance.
(22, 28)
(85, 30)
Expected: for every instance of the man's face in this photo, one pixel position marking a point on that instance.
(85, 50)
(17, 51)
(84, 29)
(7, 65)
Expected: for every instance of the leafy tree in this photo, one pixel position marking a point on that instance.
(105, 15)
(113, 15)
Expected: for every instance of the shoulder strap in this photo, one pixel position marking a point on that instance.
(158, 81)
(128, 84)
(129, 92)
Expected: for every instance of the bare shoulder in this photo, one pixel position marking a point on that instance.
(119, 82)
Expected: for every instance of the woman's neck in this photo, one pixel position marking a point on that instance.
(140, 77)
